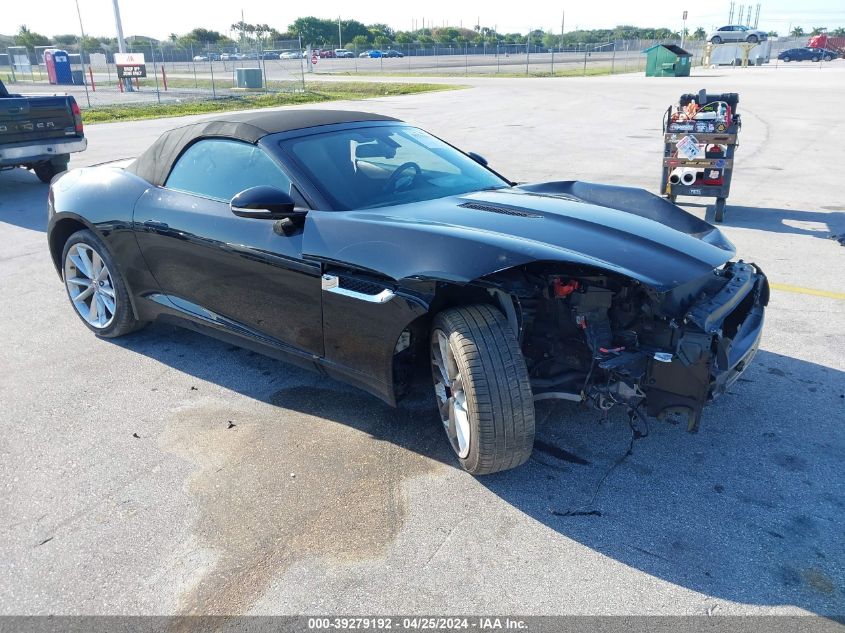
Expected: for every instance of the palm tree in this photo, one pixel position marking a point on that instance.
(839, 31)
(699, 34)
(818, 30)
(797, 32)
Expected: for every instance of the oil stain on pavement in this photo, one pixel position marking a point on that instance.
(315, 473)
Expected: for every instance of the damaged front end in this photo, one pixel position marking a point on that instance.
(608, 340)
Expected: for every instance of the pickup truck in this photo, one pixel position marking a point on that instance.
(39, 133)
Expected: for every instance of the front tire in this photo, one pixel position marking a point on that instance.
(786, 59)
(482, 388)
(95, 286)
(753, 39)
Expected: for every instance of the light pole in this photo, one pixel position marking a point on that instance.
(684, 30)
(82, 53)
(121, 43)
(339, 34)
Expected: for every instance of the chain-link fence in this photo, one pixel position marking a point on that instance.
(207, 72)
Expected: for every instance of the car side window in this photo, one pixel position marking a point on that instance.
(220, 168)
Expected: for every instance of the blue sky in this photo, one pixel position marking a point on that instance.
(159, 18)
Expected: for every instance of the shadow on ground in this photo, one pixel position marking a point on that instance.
(748, 510)
(23, 200)
(828, 223)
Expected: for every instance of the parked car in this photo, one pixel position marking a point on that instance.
(369, 250)
(39, 133)
(200, 58)
(290, 55)
(373, 54)
(737, 33)
(393, 53)
(343, 53)
(807, 54)
(324, 54)
(270, 54)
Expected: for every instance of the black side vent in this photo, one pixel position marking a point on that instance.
(360, 285)
(497, 209)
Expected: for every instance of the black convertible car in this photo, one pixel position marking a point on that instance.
(366, 249)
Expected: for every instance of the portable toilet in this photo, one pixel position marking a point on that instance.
(667, 60)
(58, 66)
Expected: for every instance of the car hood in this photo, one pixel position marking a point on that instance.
(462, 238)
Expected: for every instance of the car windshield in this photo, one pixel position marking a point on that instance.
(381, 166)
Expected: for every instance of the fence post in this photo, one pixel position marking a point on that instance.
(91, 75)
(155, 71)
(553, 62)
(613, 59)
(211, 68)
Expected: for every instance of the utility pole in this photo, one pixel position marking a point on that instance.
(684, 30)
(562, 20)
(121, 43)
(81, 53)
(339, 35)
(757, 16)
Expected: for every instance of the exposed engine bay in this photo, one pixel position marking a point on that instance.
(608, 340)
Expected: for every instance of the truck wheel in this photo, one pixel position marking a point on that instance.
(482, 387)
(46, 170)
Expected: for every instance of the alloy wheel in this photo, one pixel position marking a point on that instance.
(451, 397)
(89, 285)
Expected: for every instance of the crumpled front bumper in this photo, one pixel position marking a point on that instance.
(721, 335)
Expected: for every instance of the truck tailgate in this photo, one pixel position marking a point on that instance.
(24, 119)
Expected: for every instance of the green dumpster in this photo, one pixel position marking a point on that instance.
(667, 60)
(248, 78)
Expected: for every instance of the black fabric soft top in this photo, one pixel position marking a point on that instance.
(155, 163)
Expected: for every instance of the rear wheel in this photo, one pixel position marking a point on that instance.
(46, 170)
(95, 286)
(716, 40)
(786, 58)
(828, 58)
(482, 388)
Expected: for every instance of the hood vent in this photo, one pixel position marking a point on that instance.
(497, 209)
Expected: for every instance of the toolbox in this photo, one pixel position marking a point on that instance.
(700, 137)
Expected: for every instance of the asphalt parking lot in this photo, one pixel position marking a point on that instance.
(125, 490)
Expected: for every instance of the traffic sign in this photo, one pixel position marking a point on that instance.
(314, 58)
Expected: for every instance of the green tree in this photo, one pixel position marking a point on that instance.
(202, 36)
(839, 31)
(551, 40)
(446, 35)
(797, 32)
(404, 38)
(360, 42)
(381, 41)
(66, 39)
(381, 29)
(772, 33)
(699, 33)
(818, 30)
(30, 39)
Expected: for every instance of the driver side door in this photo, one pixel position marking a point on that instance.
(235, 273)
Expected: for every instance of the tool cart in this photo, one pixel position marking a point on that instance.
(699, 141)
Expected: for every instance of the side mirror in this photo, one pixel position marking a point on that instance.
(264, 203)
(478, 158)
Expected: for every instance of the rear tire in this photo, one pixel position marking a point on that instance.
(96, 288)
(48, 169)
(482, 387)
(827, 58)
(716, 40)
(786, 59)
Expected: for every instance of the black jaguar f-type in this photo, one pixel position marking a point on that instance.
(365, 248)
